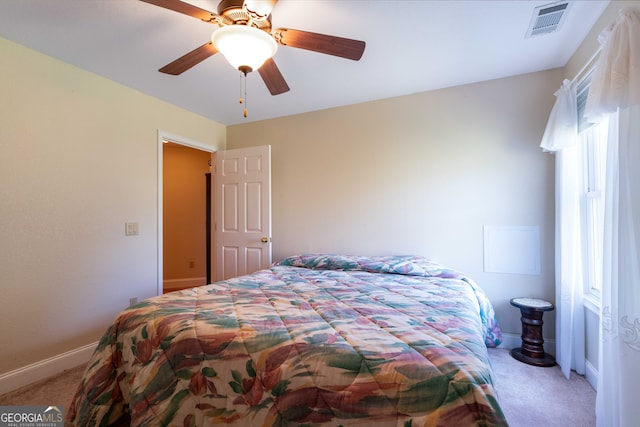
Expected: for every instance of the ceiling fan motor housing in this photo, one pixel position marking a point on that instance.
(233, 13)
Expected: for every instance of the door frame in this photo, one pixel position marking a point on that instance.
(187, 142)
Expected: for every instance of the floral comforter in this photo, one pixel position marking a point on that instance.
(315, 340)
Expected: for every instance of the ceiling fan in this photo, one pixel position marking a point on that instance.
(246, 22)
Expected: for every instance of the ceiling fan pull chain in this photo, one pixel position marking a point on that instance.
(243, 100)
(245, 113)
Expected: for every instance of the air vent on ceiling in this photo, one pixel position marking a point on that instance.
(548, 18)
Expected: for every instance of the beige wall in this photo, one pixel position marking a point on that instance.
(78, 159)
(184, 219)
(419, 174)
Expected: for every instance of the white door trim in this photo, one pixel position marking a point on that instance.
(176, 139)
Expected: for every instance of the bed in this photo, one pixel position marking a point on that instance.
(315, 340)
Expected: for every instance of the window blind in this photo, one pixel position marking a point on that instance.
(582, 92)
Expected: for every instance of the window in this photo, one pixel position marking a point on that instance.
(593, 148)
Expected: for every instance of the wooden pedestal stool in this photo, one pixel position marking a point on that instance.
(532, 350)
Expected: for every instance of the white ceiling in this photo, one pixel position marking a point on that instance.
(412, 46)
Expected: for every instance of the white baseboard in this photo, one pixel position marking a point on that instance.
(187, 282)
(592, 374)
(29, 374)
(510, 341)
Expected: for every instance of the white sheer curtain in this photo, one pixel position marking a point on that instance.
(561, 137)
(615, 90)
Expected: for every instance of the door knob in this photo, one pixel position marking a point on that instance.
(264, 239)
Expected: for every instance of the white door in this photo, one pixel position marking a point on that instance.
(242, 197)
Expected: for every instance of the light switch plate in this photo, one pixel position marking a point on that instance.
(130, 228)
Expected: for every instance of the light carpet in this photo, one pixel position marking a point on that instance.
(535, 396)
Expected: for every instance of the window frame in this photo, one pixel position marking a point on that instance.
(592, 142)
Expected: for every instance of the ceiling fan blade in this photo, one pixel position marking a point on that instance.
(273, 78)
(187, 61)
(186, 8)
(259, 9)
(322, 43)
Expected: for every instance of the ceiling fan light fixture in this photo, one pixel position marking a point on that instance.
(245, 48)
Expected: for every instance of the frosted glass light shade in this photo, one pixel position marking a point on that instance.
(244, 46)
